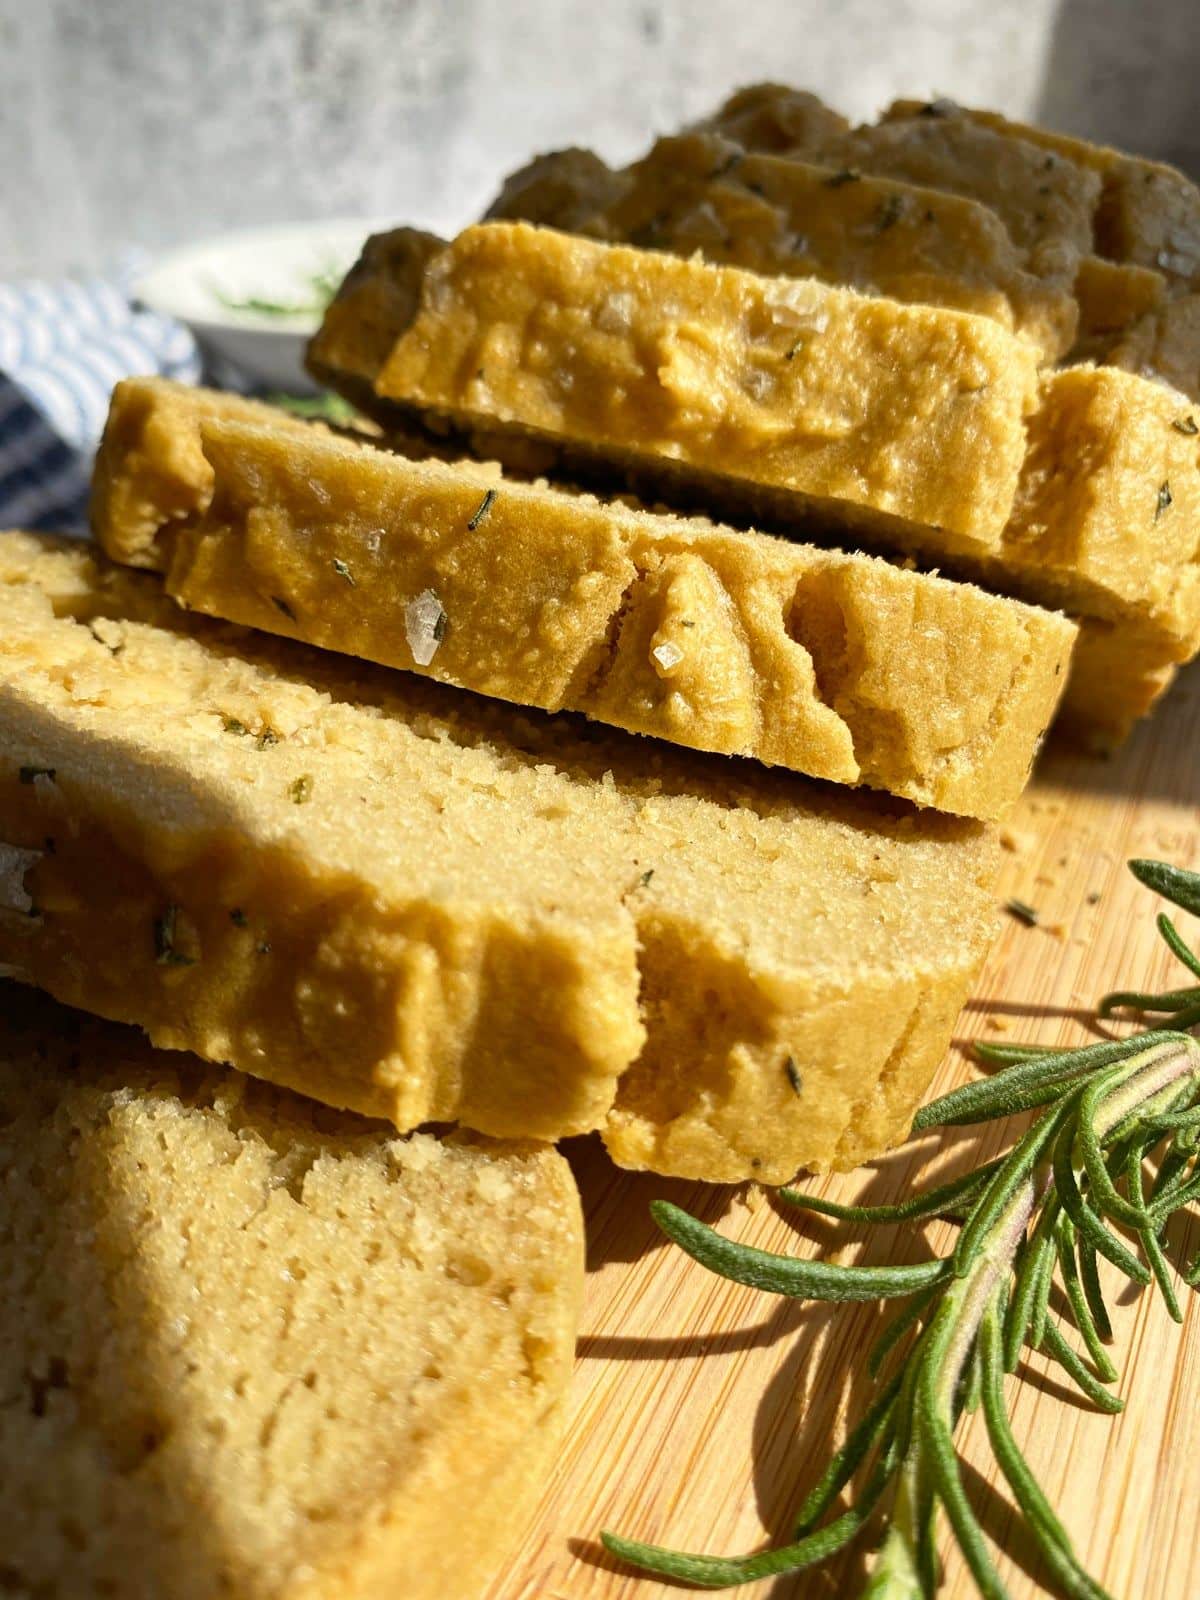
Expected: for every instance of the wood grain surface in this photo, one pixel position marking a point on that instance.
(701, 1411)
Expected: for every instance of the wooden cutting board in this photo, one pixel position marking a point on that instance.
(702, 1411)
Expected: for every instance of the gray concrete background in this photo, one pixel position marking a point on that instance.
(152, 122)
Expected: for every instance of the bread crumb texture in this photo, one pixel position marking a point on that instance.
(845, 667)
(252, 1347)
(429, 906)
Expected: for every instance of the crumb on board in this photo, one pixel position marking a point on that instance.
(1016, 841)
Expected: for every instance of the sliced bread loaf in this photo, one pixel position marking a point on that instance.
(253, 1347)
(424, 905)
(844, 667)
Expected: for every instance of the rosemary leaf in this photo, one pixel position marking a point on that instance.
(917, 1208)
(1173, 1000)
(1047, 1530)
(716, 1572)
(1176, 884)
(1032, 1083)
(1027, 914)
(1089, 1277)
(789, 1275)
(1007, 1055)
(1175, 943)
(1086, 1221)
(1023, 1305)
(481, 511)
(1058, 1347)
(903, 1322)
(1048, 1206)
(845, 1463)
(1148, 1238)
(1085, 1321)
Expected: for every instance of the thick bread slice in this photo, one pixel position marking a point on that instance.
(1045, 201)
(1145, 226)
(1118, 674)
(377, 298)
(773, 215)
(1106, 524)
(1146, 213)
(428, 906)
(561, 189)
(900, 422)
(1106, 521)
(252, 1347)
(1093, 542)
(1113, 297)
(841, 666)
(1163, 344)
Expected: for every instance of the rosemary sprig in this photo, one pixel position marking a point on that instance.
(1051, 1206)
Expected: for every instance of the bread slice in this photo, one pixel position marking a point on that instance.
(841, 666)
(1118, 675)
(1146, 213)
(1112, 297)
(375, 303)
(1145, 231)
(895, 421)
(781, 216)
(427, 906)
(1047, 203)
(1107, 515)
(1163, 344)
(252, 1347)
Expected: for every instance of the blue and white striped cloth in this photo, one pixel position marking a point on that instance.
(63, 346)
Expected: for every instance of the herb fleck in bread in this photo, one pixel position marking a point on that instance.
(253, 1347)
(841, 666)
(424, 905)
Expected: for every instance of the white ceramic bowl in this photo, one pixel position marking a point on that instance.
(254, 299)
